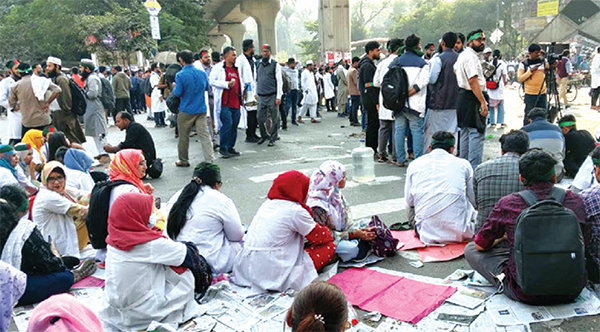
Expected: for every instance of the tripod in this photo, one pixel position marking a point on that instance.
(554, 106)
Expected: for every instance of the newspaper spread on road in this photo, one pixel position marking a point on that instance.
(371, 259)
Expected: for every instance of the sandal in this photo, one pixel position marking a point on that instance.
(86, 269)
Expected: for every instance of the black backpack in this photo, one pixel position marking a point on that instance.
(334, 79)
(549, 252)
(146, 86)
(97, 218)
(78, 104)
(108, 96)
(394, 89)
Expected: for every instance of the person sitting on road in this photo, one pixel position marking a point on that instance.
(439, 193)
(78, 164)
(320, 306)
(579, 144)
(547, 136)
(201, 214)
(591, 197)
(329, 209)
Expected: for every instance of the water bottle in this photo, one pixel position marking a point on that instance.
(363, 164)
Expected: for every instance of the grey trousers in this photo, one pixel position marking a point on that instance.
(490, 263)
(185, 122)
(386, 134)
(268, 117)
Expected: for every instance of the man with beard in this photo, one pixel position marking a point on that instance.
(429, 49)
(472, 109)
(369, 94)
(203, 61)
(269, 89)
(13, 114)
(94, 119)
(532, 74)
(121, 84)
(64, 119)
(247, 69)
(460, 43)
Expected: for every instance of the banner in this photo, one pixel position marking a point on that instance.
(547, 7)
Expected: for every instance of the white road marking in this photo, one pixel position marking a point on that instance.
(301, 160)
(381, 207)
(272, 176)
(319, 147)
(378, 180)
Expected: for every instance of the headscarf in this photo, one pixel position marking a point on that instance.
(78, 160)
(291, 186)
(12, 287)
(7, 151)
(125, 166)
(61, 313)
(128, 221)
(324, 192)
(49, 168)
(35, 138)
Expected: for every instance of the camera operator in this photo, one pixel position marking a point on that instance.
(563, 69)
(532, 74)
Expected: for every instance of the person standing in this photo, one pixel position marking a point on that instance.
(203, 62)
(291, 102)
(94, 119)
(269, 88)
(342, 93)
(563, 70)
(472, 109)
(121, 85)
(595, 71)
(443, 91)
(329, 89)
(369, 94)
(311, 98)
(247, 69)
(159, 105)
(460, 43)
(13, 115)
(64, 119)
(354, 92)
(497, 94)
(532, 74)
(190, 84)
(227, 88)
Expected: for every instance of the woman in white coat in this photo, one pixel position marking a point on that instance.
(309, 88)
(146, 275)
(78, 165)
(329, 90)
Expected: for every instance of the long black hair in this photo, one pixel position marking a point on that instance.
(55, 141)
(9, 219)
(204, 174)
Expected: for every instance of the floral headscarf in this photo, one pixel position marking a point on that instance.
(35, 138)
(324, 192)
(125, 166)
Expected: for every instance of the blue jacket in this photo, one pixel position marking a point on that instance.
(190, 86)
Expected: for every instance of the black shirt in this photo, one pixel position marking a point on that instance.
(579, 144)
(138, 137)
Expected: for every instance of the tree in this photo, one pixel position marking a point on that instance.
(310, 47)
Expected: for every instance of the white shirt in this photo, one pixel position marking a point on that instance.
(141, 287)
(309, 88)
(14, 118)
(7, 178)
(214, 226)
(468, 65)
(595, 71)
(382, 69)
(440, 188)
(329, 87)
(501, 72)
(273, 257)
(79, 180)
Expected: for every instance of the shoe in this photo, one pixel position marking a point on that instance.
(70, 262)
(261, 140)
(283, 128)
(314, 121)
(271, 143)
(225, 154)
(180, 163)
(176, 135)
(234, 152)
(86, 269)
(149, 118)
(295, 123)
(402, 164)
(252, 139)
(355, 124)
(216, 147)
(503, 125)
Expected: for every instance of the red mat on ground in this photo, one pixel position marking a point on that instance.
(442, 254)
(393, 296)
(89, 282)
(409, 239)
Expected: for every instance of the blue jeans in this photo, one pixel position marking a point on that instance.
(159, 118)
(41, 287)
(354, 104)
(416, 124)
(292, 102)
(230, 118)
(500, 108)
(471, 145)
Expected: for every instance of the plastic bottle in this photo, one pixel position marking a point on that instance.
(363, 164)
(352, 316)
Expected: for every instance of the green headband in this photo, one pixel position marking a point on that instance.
(447, 142)
(596, 161)
(541, 177)
(25, 71)
(566, 123)
(475, 36)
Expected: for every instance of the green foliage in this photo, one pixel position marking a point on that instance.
(310, 47)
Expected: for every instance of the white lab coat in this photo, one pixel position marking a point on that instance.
(329, 87)
(157, 105)
(248, 76)
(218, 80)
(79, 180)
(382, 69)
(309, 88)
(141, 287)
(14, 118)
(595, 71)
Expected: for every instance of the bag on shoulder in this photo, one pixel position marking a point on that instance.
(97, 218)
(384, 245)
(287, 83)
(78, 103)
(108, 95)
(394, 89)
(173, 103)
(549, 252)
(146, 86)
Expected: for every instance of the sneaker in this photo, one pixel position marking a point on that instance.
(261, 140)
(86, 269)
(225, 154)
(234, 152)
(299, 121)
(271, 143)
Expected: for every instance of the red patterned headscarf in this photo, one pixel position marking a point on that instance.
(125, 166)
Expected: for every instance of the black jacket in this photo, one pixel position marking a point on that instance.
(369, 94)
(137, 137)
(578, 144)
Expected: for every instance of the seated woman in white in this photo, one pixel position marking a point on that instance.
(142, 284)
(201, 214)
(57, 212)
(78, 165)
(275, 256)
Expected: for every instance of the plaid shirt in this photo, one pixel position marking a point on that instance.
(493, 180)
(591, 200)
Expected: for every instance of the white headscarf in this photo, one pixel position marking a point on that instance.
(324, 192)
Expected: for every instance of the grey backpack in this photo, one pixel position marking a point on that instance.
(549, 253)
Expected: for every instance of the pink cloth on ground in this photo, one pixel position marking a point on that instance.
(63, 313)
(442, 254)
(89, 282)
(409, 239)
(360, 292)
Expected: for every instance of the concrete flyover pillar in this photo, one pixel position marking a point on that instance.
(264, 13)
(334, 27)
(217, 42)
(236, 32)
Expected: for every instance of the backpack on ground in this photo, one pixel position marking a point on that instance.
(97, 218)
(78, 103)
(384, 245)
(394, 89)
(549, 252)
(108, 95)
(146, 86)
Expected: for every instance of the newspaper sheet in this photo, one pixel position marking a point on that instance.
(505, 311)
(371, 259)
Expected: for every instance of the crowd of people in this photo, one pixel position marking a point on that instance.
(52, 203)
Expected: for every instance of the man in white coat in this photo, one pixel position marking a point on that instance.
(595, 71)
(227, 89)
(247, 70)
(309, 88)
(386, 116)
(13, 115)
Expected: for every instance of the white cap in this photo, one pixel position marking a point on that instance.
(487, 50)
(54, 60)
(309, 62)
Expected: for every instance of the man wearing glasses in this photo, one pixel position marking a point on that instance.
(472, 108)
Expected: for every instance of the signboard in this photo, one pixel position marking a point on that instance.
(547, 7)
(153, 7)
(155, 27)
(348, 56)
(329, 58)
(496, 35)
(535, 23)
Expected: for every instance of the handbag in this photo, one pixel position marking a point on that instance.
(155, 169)
(491, 85)
(173, 103)
(384, 244)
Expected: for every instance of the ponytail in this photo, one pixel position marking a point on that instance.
(320, 306)
(178, 214)
(310, 323)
